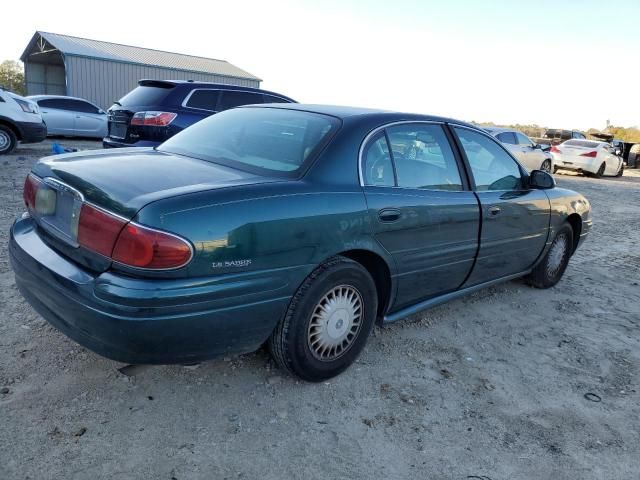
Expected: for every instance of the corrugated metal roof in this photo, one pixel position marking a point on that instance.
(143, 56)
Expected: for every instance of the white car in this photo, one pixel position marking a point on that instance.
(72, 117)
(20, 121)
(531, 155)
(589, 157)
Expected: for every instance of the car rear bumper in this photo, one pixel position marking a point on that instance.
(149, 321)
(31, 132)
(576, 163)
(108, 142)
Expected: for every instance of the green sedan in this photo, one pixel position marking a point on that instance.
(299, 226)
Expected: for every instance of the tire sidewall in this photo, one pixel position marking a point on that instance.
(301, 358)
(552, 280)
(12, 140)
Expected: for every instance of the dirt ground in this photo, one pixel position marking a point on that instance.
(508, 383)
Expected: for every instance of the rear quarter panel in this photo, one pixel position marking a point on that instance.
(281, 225)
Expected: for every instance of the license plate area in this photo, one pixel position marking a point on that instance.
(118, 130)
(59, 210)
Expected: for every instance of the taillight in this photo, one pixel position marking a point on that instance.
(153, 119)
(130, 244)
(593, 154)
(555, 149)
(31, 185)
(98, 230)
(112, 236)
(142, 247)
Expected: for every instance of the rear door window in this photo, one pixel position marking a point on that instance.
(56, 103)
(232, 98)
(423, 157)
(507, 137)
(204, 99)
(376, 163)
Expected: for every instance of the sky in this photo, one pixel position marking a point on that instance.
(561, 64)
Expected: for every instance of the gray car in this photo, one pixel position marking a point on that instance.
(71, 117)
(529, 154)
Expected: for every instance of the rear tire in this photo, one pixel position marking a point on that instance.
(546, 166)
(620, 170)
(8, 140)
(600, 172)
(328, 321)
(551, 268)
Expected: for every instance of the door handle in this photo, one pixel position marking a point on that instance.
(389, 215)
(494, 211)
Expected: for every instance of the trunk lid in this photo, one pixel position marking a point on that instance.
(124, 180)
(119, 181)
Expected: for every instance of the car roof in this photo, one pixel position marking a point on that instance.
(146, 82)
(46, 97)
(345, 112)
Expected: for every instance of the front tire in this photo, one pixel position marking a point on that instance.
(8, 140)
(328, 321)
(551, 268)
(546, 166)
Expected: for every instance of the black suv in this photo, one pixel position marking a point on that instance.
(158, 109)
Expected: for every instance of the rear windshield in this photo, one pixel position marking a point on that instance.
(145, 96)
(582, 143)
(268, 141)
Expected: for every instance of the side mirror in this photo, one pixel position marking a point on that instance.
(617, 152)
(541, 180)
(536, 146)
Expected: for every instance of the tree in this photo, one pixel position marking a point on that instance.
(12, 77)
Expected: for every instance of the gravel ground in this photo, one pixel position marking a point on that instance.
(508, 383)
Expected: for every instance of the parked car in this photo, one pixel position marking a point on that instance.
(634, 156)
(589, 157)
(299, 225)
(531, 155)
(71, 116)
(20, 121)
(158, 109)
(555, 136)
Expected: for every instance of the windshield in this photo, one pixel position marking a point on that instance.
(268, 141)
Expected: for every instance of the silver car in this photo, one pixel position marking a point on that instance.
(71, 117)
(530, 154)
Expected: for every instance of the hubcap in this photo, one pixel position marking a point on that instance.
(557, 254)
(335, 323)
(4, 141)
(546, 166)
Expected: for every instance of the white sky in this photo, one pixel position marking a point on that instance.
(559, 64)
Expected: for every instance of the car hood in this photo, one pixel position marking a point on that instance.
(125, 180)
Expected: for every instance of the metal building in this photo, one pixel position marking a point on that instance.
(103, 72)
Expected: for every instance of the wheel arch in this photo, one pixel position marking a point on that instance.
(7, 123)
(379, 270)
(575, 221)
